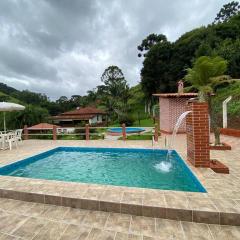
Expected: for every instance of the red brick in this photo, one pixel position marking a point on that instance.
(197, 126)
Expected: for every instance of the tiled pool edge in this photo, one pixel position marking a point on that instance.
(40, 155)
(189, 215)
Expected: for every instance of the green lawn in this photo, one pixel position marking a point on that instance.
(148, 122)
(144, 136)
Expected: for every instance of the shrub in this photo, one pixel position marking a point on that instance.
(127, 119)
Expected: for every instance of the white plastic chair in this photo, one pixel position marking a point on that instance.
(2, 139)
(10, 139)
(18, 134)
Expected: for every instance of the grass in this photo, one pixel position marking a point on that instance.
(144, 136)
(148, 122)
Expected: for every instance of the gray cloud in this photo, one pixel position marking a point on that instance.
(62, 47)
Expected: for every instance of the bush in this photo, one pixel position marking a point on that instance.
(127, 119)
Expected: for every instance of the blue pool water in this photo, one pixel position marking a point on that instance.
(121, 167)
(128, 130)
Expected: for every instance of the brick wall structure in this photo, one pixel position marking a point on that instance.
(197, 129)
(172, 105)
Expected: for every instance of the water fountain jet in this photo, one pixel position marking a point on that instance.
(165, 166)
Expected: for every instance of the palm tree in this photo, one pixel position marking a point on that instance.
(205, 76)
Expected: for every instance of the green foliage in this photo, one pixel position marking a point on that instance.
(127, 119)
(230, 50)
(203, 75)
(150, 41)
(232, 89)
(227, 11)
(166, 63)
(155, 67)
(115, 91)
(30, 116)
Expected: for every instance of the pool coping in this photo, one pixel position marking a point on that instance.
(133, 201)
(168, 204)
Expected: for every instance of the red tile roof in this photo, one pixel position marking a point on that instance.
(75, 117)
(175, 95)
(42, 126)
(85, 111)
(80, 114)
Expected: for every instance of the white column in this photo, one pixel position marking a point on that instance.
(224, 105)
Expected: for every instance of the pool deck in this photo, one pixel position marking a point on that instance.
(220, 205)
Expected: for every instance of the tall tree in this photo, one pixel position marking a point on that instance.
(227, 11)
(154, 74)
(115, 90)
(148, 42)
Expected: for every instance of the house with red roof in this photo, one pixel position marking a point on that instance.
(81, 116)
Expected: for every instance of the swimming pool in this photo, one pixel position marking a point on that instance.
(128, 130)
(115, 166)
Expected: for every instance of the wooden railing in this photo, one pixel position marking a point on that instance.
(85, 132)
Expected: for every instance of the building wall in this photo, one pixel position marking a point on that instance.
(170, 111)
(164, 114)
(95, 119)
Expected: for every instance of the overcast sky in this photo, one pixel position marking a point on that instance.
(61, 47)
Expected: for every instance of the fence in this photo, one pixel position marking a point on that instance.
(82, 133)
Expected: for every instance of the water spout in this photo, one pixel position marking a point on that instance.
(175, 130)
(165, 166)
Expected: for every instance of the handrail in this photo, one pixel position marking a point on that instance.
(86, 132)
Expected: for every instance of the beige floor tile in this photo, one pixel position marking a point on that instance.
(21, 207)
(95, 219)
(74, 232)
(225, 232)
(93, 194)
(175, 201)
(7, 237)
(132, 197)
(196, 231)
(112, 195)
(37, 209)
(143, 226)
(134, 237)
(51, 231)
(154, 198)
(54, 212)
(98, 234)
(226, 205)
(75, 216)
(29, 228)
(168, 229)
(204, 204)
(118, 222)
(9, 222)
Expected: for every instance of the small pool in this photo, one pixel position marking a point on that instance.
(116, 166)
(128, 130)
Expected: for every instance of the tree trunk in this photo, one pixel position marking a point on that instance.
(217, 136)
(213, 122)
(202, 97)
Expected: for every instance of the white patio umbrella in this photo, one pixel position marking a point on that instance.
(9, 107)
